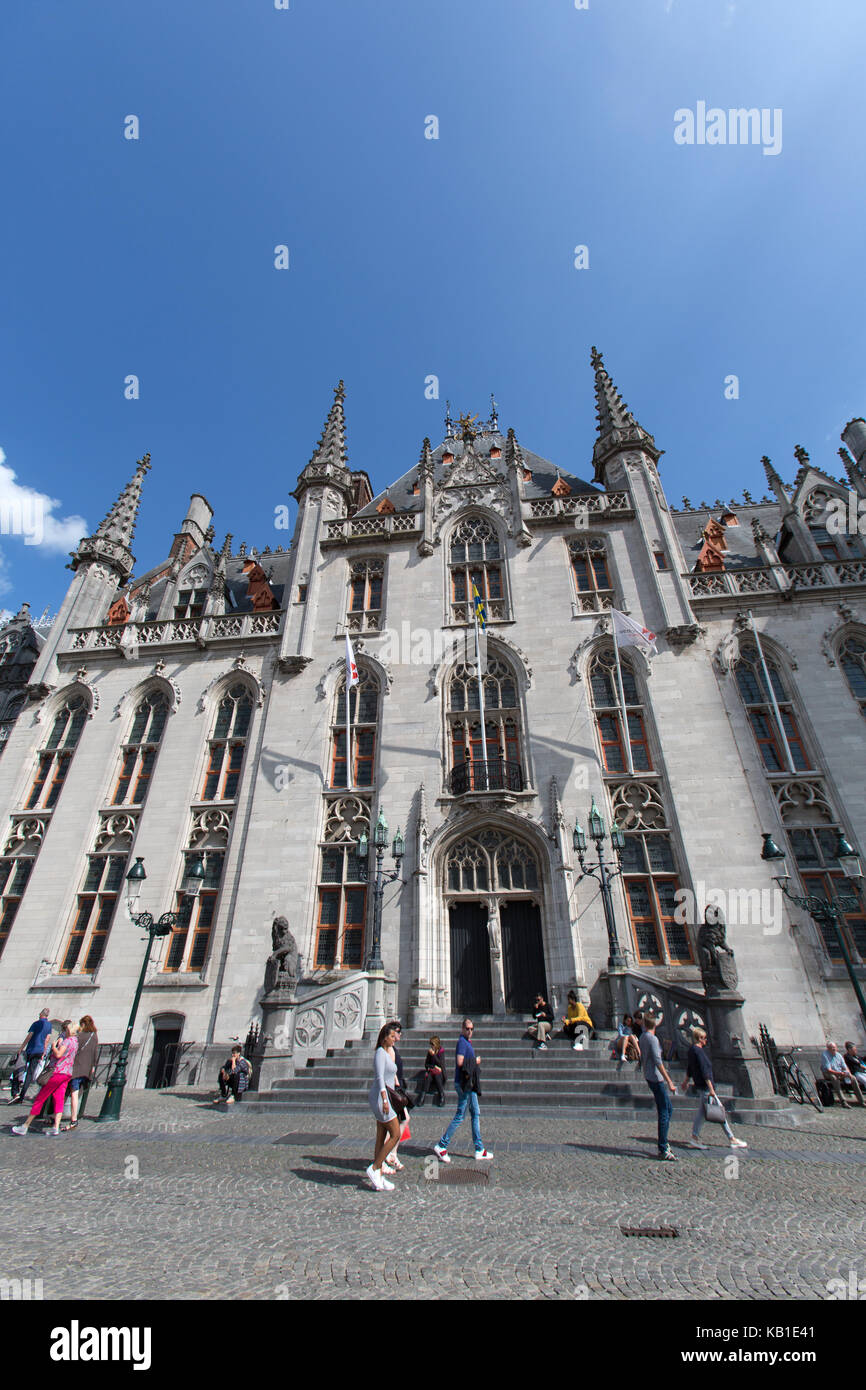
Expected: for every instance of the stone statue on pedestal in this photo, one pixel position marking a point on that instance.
(715, 957)
(281, 971)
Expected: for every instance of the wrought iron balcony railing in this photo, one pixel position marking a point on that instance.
(498, 776)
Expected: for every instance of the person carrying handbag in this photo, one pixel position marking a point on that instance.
(699, 1070)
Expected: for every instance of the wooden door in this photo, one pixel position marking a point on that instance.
(471, 985)
(522, 956)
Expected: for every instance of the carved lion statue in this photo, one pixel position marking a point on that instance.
(281, 971)
(715, 957)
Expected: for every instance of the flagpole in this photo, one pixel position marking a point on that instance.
(481, 701)
(772, 694)
(625, 728)
(350, 657)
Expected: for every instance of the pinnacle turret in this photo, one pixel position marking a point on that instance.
(617, 427)
(425, 462)
(113, 539)
(331, 448)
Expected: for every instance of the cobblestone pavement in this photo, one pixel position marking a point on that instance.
(181, 1199)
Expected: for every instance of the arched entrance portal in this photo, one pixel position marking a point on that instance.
(494, 898)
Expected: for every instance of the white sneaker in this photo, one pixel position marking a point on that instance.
(693, 1144)
(376, 1179)
(387, 1186)
(739, 1144)
(482, 1153)
(576, 1047)
(18, 1129)
(441, 1154)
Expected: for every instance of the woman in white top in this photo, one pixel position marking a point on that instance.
(387, 1124)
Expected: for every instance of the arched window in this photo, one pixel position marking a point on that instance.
(756, 698)
(504, 769)
(15, 872)
(366, 579)
(342, 893)
(227, 745)
(189, 940)
(813, 832)
(592, 581)
(54, 760)
(852, 659)
(475, 559)
(649, 876)
(491, 862)
(613, 723)
(139, 752)
(364, 712)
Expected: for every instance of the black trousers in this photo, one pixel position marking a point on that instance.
(436, 1079)
(229, 1083)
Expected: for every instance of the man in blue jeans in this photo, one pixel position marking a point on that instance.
(33, 1047)
(658, 1081)
(465, 1073)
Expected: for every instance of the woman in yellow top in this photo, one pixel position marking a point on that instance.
(576, 1018)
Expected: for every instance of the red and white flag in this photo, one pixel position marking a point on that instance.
(628, 633)
(351, 668)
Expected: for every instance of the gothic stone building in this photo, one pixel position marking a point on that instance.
(199, 710)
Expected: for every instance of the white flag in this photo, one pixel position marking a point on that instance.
(628, 633)
(351, 668)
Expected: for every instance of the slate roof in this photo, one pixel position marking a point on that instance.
(544, 474)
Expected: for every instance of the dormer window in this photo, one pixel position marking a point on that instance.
(190, 603)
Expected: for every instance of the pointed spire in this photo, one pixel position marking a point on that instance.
(616, 424)
(113, 539)
(850, 466)
(425, 462)
(775, 482)
(513, 452)
(331, 447)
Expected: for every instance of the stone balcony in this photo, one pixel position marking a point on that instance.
(593, 505)
(775, 581)
(133, 638)
(383, 527)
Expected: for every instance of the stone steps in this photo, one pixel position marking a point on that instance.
(516, 1077)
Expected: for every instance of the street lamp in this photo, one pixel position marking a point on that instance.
(195, 872)
(603, 872)
(827, 912)
(380, 841)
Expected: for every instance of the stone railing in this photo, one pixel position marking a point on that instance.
(318, 1019)
(382, 527)
(593, 504)
(127, 640)
(776, 579)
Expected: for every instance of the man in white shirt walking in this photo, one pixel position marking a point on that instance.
(659, 1082)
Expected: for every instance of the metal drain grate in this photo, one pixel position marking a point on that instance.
(657, 1231)
(448, 1176)
(314, 1140)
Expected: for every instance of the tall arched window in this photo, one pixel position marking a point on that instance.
(364, 712)
(475, 559)
(366, 580)
(649, 875)
(139, 751)
(54, 760)
(589, 566)
(614, 724)
(852, 659)
(504, 769)
(227, 745)
(756, 698)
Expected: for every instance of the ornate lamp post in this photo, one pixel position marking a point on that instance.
(603, 872)
(827, 912)
(192, 883)
(380, 840)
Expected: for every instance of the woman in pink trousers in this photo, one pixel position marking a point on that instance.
(63, 1051)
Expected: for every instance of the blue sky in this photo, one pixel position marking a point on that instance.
(411, 256)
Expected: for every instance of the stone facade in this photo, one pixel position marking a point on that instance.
(198, 711)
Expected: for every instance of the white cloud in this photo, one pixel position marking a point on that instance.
(27, 513)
